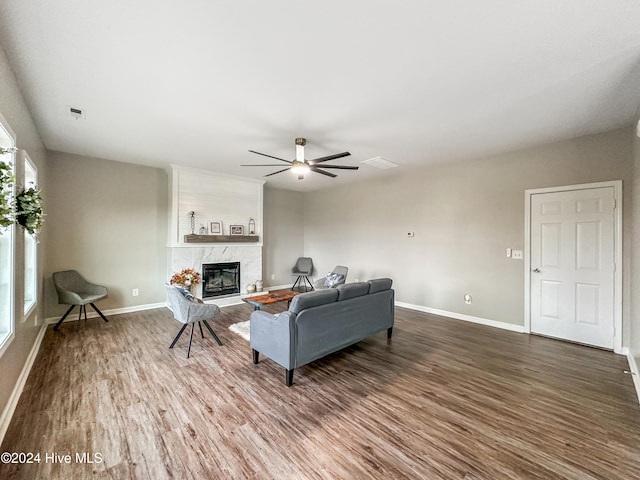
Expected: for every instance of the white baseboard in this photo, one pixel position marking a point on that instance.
(460, 316)
(7, 414)
(635, 373)
(114, 311)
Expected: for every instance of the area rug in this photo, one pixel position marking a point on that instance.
(241, 328)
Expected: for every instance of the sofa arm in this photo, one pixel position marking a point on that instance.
(274, 336)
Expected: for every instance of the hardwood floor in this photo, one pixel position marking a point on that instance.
(445, 399)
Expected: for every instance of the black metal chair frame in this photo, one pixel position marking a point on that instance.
(199, 322)
(305, 281)
(83, 308)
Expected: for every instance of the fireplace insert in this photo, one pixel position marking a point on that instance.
(220, 279)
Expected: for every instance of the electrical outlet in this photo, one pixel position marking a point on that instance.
(273, 276)
(516, 254)
(468, 299)
(135, 292)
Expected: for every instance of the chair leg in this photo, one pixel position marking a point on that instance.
(190, 340)
(98, 312)
(309, 282)
(63, 317)
(295, 283)
(213, 334)
(289, 378)
(201, 332)
(256, 356)
(178, 336)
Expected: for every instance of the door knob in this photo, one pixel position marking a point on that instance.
(536, 270)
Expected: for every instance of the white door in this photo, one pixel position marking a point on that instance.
(573, 265)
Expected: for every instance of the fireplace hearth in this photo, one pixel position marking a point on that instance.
(220, 279)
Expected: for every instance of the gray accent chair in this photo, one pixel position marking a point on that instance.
(303, 269)
(190, 312)
(74, 290)
(322, 284)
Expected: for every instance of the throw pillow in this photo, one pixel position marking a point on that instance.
(187, 293)
(333, 279)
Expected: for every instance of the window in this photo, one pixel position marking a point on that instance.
(30, 244)
(7, 139)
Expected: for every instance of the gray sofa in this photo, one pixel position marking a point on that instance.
(321, 322)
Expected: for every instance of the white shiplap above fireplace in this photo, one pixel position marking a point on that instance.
(214, 197)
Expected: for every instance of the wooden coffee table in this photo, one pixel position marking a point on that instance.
(258, 301)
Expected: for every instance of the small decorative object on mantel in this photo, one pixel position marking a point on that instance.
(29, 211)
(251, 288)
(192, 215)
(203, 229)
(236, 229)
(252, 226)
(259, 285)
(186, 278)
(216, 228)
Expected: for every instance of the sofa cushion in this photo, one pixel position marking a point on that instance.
(312, 299)
(379, 284)
(351, 290)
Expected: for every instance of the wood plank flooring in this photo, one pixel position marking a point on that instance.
(445, 399)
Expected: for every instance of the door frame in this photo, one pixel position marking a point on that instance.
(617, 232)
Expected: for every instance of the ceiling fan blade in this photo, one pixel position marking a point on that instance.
(329, 157)
(317, 170)
(263, 165)
(270, 156)
(279, 171)
(343, 167)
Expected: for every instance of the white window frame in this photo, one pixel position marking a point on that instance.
(7, 337)
(25, 160)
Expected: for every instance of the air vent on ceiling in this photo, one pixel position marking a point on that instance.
(381, 163)
(76, 112)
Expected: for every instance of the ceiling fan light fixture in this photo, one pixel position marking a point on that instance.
(300, 168)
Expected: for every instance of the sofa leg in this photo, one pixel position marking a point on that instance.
(289, 378)
(256, 356)
(389, 332)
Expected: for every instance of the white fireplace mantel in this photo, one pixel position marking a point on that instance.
(214, 197)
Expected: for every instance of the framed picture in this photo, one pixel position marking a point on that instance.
(236, 229)
(215, 228)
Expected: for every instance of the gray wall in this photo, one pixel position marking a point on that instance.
(283, 236)
(109, 222)
(464, 216)
(634, 293)
(16, 113)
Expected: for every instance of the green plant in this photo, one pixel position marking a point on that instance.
(29, 211)
(6, 189)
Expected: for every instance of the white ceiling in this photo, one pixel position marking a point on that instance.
(200, 82)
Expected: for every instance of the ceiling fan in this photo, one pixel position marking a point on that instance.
(300, 166)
